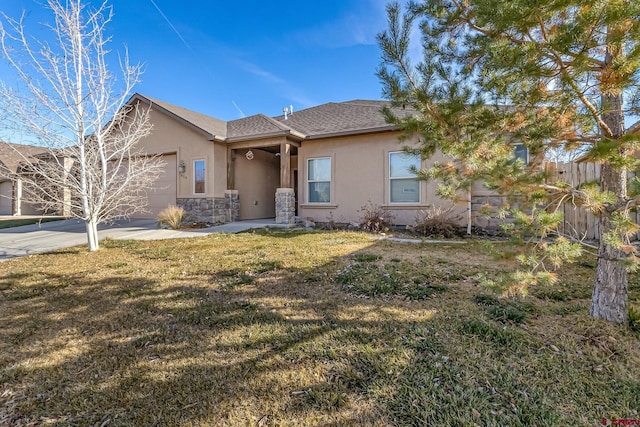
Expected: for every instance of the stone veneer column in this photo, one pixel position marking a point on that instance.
(232, 205)
(285, 206)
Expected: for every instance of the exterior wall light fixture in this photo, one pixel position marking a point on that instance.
(182, 168)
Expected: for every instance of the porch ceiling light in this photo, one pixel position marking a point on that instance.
(182, 168)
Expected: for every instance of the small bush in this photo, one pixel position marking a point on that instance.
(437, 222)
(375, 219)
(171, 217)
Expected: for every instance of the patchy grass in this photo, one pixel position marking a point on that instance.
(288, 328)
(9, 223)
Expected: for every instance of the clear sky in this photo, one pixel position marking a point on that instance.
(229, 58)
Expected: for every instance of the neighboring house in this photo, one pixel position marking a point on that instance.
(322, 162)
(12, 201)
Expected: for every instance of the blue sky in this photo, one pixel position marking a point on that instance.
(229, 58)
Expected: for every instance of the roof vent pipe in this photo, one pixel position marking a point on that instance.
(287, 111)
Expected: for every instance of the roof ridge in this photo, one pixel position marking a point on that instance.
(279, 124)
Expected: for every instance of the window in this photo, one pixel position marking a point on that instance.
(198, 176)
(404, 186)
(520, 151)
(319, 180)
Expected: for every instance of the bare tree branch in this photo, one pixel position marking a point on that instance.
(76, 109)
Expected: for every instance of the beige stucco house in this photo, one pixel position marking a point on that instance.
(321, 162)
(12, 201)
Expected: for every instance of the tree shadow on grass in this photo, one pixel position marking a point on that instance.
(209, 344)
(80, 350)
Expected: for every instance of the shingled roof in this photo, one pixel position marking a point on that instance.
(358, 116)
(322, 121)
(11, 155)
(257, 126)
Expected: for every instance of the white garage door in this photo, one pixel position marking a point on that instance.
(6, 194)
(164, 190)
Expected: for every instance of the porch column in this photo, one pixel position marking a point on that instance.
(285, 206)
(231, 183)
(66, 191)
(285, 165)
(17, 197)
(232, 206)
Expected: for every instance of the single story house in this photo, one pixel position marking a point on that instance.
(325, 163)
(322, 162)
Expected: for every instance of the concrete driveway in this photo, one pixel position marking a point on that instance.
(49, 236)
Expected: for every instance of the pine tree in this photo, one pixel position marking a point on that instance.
(550, 74)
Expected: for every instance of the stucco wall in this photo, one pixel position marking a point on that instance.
(6, 198)
(256, 181)
(219, 184)
(360, 173)
(170, 135)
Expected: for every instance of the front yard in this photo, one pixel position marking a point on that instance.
(302, 329)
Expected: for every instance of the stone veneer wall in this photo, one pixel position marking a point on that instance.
(205, 209)
(488, 223)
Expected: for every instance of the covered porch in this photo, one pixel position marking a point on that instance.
(262, 175)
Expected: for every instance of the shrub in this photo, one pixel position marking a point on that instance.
(437, 222)
(375, 219)
(171, 217)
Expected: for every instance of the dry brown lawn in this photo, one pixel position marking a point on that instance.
(302, 329)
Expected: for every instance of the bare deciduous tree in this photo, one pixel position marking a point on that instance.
(70, 103)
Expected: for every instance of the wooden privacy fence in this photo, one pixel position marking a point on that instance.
(578, 221)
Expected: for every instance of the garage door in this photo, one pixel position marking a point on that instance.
(6, 193)
(164, 192)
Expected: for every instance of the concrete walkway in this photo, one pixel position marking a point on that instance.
(50, 236)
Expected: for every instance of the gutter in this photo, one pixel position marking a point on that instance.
(352, 132)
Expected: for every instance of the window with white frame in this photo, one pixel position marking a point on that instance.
(520, 151)
(199, 173)
(404, 186)
(319, 180)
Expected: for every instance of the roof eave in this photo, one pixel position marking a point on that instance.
(293, 134)
(387, 128)
(139, 97)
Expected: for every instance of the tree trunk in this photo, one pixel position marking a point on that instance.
(92, 235)
(609, 298)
